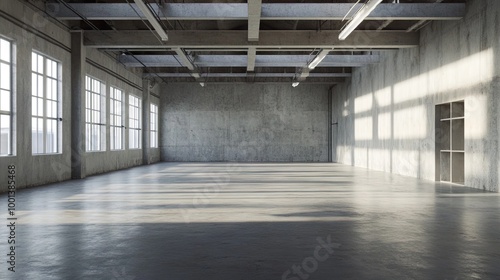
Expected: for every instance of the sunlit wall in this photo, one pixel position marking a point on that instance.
(386, 112)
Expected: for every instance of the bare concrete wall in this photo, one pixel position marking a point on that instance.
(244, 122)
(29, 31)
(34, 169)
(386, 112)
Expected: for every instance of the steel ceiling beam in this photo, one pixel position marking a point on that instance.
(239, 39)
(240, 75)
(254, 10)
(242, 60)
(251, 55)
(274, 11)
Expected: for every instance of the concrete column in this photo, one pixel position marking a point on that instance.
(330, 125)
(77, 105)
(146, 101)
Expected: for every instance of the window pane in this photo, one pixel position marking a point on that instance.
(5, 73)
(34, 106)
(4, 134)
(48, 68)
(40, 85)
(40, 107)
(34, 85)
(5, 50)
(55, 70)
(51, 136)
(53, 94)
(51, 69)
(40, 64)
(33, 62)
(34, 135)
(5, 100)
(51, 109)
(49, 89)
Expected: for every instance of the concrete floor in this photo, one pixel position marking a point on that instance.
(254, 221)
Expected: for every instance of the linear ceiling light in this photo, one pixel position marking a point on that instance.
(317, 60)
(152, 19)
(358, 18)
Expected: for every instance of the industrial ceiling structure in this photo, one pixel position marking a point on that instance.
(255, 41)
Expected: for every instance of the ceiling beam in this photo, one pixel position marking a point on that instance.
(254, 80)
(254, 10)
(239, 11)
(267, 39)
(240, 75)
(251, 55)
(242, 61)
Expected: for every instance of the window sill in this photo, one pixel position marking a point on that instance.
(7, 156)
(49, 154)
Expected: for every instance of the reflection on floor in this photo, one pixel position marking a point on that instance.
(254, 221)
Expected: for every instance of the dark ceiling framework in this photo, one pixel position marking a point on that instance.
(259, 41)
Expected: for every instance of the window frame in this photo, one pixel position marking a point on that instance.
(133, 111)
(113, 117)
(44, 117)
(153, 126)
(100, 112)
(10, 112)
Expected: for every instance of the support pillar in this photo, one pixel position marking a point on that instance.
(78, 55)
(146, 115)
(330, 125)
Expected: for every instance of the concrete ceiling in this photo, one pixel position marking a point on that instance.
(259, 41)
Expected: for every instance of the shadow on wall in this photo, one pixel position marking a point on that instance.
(386, 114)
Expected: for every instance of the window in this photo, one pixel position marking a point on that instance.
(154, 126)
(5, 98)
(95, 122)
(45, 112)
(134, 125)
(116, 118)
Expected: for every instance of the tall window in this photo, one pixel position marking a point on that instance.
(5, 98)
(116, 118)
(45, 112)
(134, 123)
(154, 126)
(95, 121)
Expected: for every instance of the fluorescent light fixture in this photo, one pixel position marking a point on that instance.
(152, 19)
(358, 18)
(295, 84)
(317, 60)
(184, 58)
(304, 74)
(195, 75)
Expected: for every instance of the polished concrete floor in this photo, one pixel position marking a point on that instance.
(254, 221)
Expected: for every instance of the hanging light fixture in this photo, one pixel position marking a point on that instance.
(152, 19)
(358, 18)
